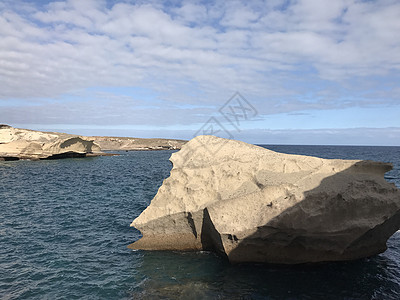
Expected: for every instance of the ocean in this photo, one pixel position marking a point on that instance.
(64, 228)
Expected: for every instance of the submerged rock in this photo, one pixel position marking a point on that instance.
(18, 143)
(255, 205)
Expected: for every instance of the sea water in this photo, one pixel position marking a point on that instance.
(64, 228)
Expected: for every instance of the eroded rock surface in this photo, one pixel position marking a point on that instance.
(256, 205)
(18, 143)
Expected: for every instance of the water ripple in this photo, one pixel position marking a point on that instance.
(64, 228)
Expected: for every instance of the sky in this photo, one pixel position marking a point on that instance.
(266, 72)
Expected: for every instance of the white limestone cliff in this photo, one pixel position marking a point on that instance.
(18, 143)
(255, 205)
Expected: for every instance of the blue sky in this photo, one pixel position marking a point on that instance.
(315, 71)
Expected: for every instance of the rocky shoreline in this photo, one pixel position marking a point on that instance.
(109, 143)
(17, 143)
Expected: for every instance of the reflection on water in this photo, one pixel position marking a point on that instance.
(173, 275)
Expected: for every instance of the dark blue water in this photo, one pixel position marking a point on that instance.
(64, 228)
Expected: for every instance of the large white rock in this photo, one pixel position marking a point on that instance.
(256, 205)
(16, 143)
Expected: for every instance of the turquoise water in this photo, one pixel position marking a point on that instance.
(64, 228)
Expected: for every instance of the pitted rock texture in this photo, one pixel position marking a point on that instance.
(18, 143)
(255, 205)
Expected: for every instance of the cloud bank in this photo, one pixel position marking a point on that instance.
(145, 63)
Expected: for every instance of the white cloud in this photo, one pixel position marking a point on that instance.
(190, 13)
(239, 15)
(277, 54)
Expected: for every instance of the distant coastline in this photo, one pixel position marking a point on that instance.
(110, 143)
(18, 143)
